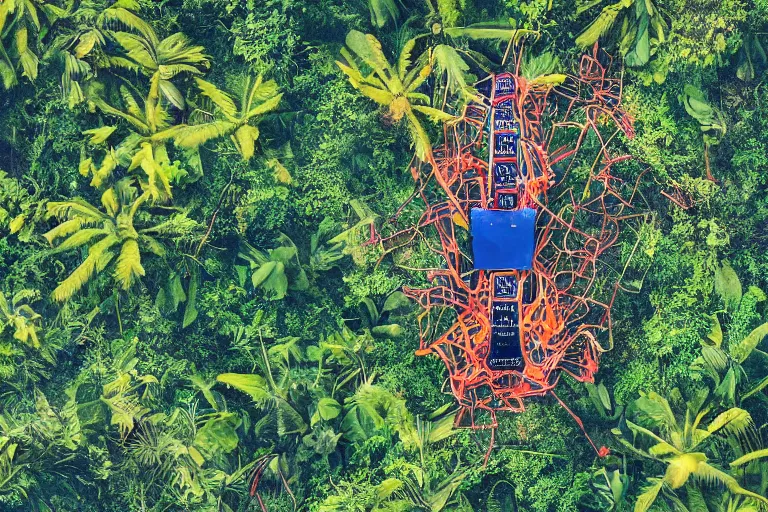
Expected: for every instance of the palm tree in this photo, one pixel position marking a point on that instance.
(144, 147)
(394, 87)
(82, 44)
(689, 449)
(161, 60)
(107, 234)
(224, 118)
(20, 25)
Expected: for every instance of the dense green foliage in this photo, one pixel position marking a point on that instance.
(188, 307)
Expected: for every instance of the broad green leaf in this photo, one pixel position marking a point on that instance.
(254, 386)
(646, 499)
(741, 350)
(190, 311)
(218, 435)
(728, 286)
(394, 301)
(387, 331)
(716, 333)
(262, 273)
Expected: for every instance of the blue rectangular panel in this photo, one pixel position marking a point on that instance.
(504, 85)
(506, 201)
(505, 144)
(504, 121)
(506, 352)
(502, 239)
(505, 174)
(505, 287)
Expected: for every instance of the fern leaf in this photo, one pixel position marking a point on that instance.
(252, 385)
(449, 63)
(502, 498)
(404, 61)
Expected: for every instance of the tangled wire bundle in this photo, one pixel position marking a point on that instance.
(503, 160)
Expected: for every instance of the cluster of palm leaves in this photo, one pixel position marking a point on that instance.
(398, 87)
(107, 234)
(21, 23)
(708, 447)
(637, 26)
(151, 134)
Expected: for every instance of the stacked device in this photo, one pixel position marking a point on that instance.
(503, 234)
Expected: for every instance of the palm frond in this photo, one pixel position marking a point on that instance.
(129, 20)
(267, 106)
(99, 256)
(74, 208)
(245, 138)
(81, 237)
(733, 421)
(711, 475)
(220, 98)
(601, 24)
(646, 499)
(128, 266)
(382, 11)
(448, 62)
(749, 457)
(192, 136)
